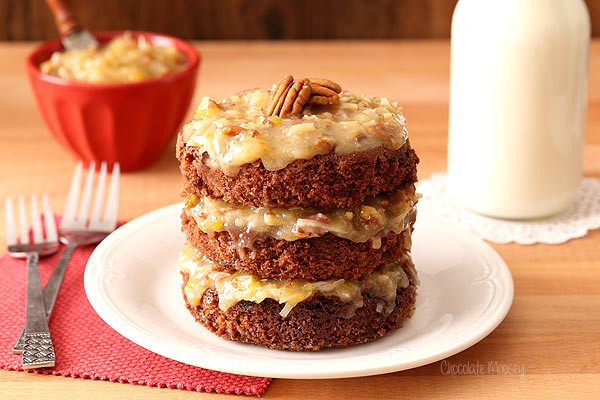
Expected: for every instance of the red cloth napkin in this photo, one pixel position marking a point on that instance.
(86, 347)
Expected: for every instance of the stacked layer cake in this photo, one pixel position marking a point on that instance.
(299, 208)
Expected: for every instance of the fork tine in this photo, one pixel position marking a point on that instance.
(112, 202)
(36, 222)
(10, 223)
(73, 197)
(99, 198)
(86, 199)
(24, 239)
(49, 222)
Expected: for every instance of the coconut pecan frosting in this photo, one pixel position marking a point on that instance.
(290, 96)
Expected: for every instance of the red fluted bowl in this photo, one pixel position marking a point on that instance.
(129, 123)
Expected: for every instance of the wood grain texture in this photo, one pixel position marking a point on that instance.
(239, 19)
(553, 328)
(248, 19)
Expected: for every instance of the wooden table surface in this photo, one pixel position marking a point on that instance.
(552, 332)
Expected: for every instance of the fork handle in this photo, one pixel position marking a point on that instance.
(38, 350)
(51, 290)
(53, 285)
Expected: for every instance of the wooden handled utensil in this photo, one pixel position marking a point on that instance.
(74, 37)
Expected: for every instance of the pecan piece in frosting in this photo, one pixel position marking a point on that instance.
(324, 100)
(289, 97)
(326, 83)
(325, 145)
(324, 91)
(296, 98)
(234, 130)
(279, 95)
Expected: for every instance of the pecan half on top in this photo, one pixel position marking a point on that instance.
(290, 96)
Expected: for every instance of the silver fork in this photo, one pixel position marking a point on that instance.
(77, 229)
(37, 344)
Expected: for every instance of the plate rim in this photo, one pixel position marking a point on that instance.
(118, 322)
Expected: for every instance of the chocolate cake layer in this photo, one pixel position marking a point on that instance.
(320, 258)
(316, 323)
(325, 181)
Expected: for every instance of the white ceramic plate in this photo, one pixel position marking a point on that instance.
(132, 280)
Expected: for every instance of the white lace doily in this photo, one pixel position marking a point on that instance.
(584, 215)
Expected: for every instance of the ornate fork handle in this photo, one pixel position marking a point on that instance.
(54, 282)
(38, 350)
(51, 290)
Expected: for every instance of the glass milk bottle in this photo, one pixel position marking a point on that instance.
(518, 88)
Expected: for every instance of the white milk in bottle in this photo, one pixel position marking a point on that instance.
(518, 86)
